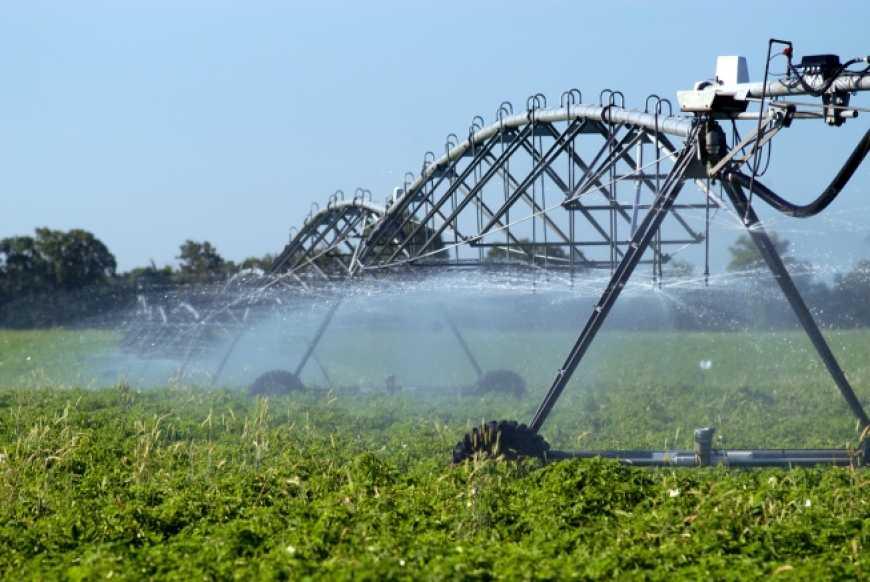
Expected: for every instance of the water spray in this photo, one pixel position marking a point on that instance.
(482, 205)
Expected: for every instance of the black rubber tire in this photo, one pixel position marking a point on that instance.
(501, 382)
(275, 383)
(503, 439)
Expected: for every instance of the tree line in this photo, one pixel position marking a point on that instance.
(59, 277)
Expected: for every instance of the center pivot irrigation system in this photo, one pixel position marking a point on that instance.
(575, 188)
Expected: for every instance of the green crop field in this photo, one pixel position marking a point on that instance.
(104, 476)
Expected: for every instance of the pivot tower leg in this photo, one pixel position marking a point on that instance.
(322, 369)
(774, 262)
(317, 337)
(643, 236)
(462, 343)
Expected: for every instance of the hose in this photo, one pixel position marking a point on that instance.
(824, 199)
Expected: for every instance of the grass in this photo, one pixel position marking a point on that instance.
(39, 358)
(178, 481)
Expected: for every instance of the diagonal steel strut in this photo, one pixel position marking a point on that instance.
(639, 243)
(540, 167)
(327, 319)
(467, 198)
(461, 340)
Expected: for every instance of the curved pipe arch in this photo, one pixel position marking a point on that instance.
(676, 126)
(325, 216)
(570, 111)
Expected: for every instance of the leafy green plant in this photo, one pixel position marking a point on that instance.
(181, 482)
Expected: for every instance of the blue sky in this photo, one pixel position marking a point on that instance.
(152, 122)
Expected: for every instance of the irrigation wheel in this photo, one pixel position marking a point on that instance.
(504, 438)
(276, 383)
(501, 382)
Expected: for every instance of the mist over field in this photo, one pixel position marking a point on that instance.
(694, 351)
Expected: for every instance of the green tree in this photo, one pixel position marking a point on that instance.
(200, 261)
(22, 266)
(263, 263)
(75, 258)
(55, 277)
(852, 293)
(54, 259)
(152, 275)
(745, 255)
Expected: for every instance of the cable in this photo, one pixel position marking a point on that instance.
(592, 187)
(755, 153)
(761, 173)
(735, 136)
(830, 81)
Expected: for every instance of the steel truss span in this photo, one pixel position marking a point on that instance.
(559, 188)
(577, 187)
